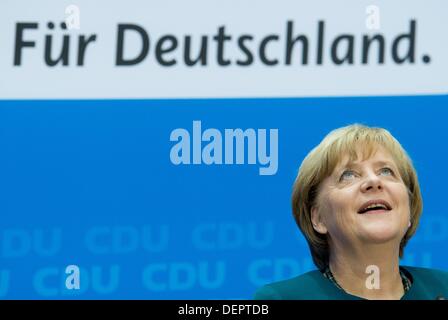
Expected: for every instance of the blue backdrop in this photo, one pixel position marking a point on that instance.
(90, 183)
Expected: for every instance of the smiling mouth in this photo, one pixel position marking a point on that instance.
(375, 207)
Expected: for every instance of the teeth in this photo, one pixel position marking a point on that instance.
(375, 206)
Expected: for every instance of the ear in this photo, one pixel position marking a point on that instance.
(316, 220)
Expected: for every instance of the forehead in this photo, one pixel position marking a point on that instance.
(377, 155)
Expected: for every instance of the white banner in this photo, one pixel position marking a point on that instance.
(215, 49)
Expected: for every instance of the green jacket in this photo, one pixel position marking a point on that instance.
(427, 284)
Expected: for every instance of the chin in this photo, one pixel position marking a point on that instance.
(382, 233)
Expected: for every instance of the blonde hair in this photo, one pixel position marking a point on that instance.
(321, 162)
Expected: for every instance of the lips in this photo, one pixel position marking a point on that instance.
(373, 206)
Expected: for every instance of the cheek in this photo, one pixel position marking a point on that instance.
(336, 205)
(402, 197)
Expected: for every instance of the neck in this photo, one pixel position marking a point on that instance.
(352, 272)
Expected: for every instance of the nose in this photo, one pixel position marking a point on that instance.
(371, 183)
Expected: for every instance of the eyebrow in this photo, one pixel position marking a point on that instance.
(385, 163)
(379, 163)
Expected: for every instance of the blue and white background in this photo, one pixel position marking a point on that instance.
(86, 177)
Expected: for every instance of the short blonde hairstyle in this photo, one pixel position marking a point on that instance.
(321, 162)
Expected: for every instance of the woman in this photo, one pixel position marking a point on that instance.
(357, 201)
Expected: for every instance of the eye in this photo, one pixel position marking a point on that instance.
(347, 175)
(386, 171)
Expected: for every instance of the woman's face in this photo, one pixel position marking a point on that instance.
(364, 201)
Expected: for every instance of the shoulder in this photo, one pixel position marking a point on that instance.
(427, 283)
(309, 286)
(429, 275)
